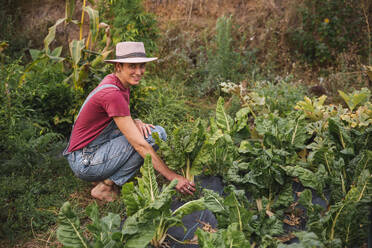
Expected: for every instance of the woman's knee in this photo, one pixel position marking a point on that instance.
(161, 131)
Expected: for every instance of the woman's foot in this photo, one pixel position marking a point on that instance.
(104, 191)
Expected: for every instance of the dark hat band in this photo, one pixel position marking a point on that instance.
(132, 55)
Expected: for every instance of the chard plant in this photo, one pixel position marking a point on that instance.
(104, 232)
(339, 225)
(235, 214)
(223, 238)
(183, 150)
(148, 209)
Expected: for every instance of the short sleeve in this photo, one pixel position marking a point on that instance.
(115, 104)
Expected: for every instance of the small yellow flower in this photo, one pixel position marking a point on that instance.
(326, 20)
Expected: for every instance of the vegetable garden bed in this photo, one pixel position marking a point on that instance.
(298, 178)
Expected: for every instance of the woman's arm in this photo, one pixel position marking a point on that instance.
(136, 139)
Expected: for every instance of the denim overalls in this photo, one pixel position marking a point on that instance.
(110, 155)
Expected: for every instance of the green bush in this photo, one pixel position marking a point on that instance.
(33, 179)
(156, 102)
(326, 29)
(282, 95)
(130, 22)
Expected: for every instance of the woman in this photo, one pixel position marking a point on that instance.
(106, 144)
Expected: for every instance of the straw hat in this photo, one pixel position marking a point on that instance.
(130, 52)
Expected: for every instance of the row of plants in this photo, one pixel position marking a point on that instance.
(302, 173)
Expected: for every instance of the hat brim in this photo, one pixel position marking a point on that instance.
(131, 60)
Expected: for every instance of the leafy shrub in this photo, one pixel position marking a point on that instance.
(327, 28)
(130, 22)
(155, 101)
(280, 96)
(30, 157)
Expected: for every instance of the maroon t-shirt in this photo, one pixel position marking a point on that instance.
(98, 112)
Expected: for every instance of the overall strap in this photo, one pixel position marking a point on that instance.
(65, 152)
(96, 90)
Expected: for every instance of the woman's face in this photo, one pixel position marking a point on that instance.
(130, 74)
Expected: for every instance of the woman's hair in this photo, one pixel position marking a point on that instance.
(116, 68)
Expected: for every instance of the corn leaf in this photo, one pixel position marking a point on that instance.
(51, 35)
(69, 10)
(93, 22)
(76, 46)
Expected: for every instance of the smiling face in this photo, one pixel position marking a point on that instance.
(130, 73)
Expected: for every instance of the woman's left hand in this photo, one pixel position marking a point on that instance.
(144, 128)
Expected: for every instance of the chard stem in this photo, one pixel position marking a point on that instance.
(259, 204)
(334, 223)
(188, 169)
(343, 184)
(294, 133)
(237, 209)
(342, 141)
(329, 169)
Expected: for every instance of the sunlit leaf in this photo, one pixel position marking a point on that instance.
(51, 35)
(93, 22)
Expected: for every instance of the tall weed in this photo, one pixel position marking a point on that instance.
(226, 60)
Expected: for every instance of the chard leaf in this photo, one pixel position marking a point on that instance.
(69, 232)
(105, 229)
(285, 198)
(147, 184)
(241, 118)
(224, 238)
(165, 195)
(357, 97)
(189, 208)
(213, 201)
(223, 120)
(192, 138)
(245, 147)
(307, 240)
(307, 177)
(206, 239)
(339, 134)
(234, 237)
(139, 228)
(130, 199)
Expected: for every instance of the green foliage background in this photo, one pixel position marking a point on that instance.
(39, 101)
